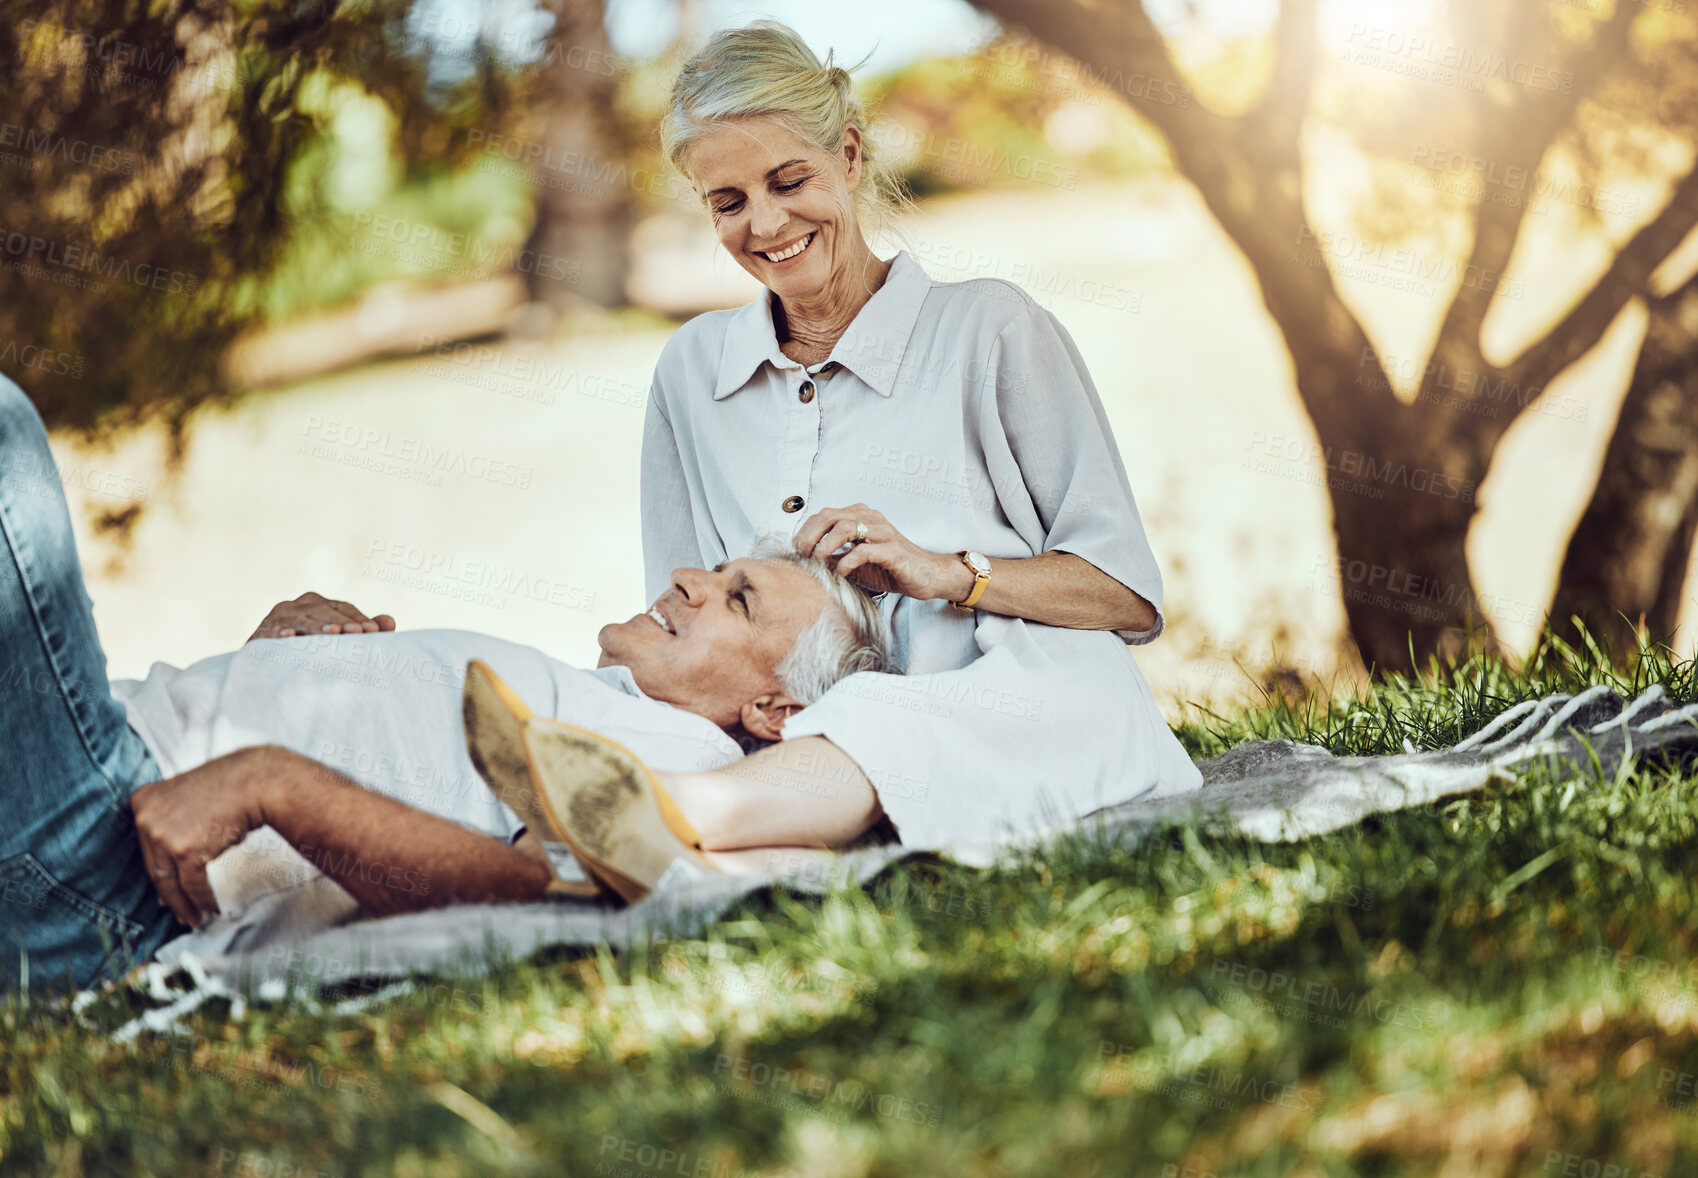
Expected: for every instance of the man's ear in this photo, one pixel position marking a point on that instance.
(764, 716)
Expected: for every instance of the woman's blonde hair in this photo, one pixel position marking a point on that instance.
(766, 70)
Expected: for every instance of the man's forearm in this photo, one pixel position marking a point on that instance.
(389, 856)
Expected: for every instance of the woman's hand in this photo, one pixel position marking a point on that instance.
(311, 614)
(886, 561)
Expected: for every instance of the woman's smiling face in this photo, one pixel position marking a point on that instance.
(783, 208)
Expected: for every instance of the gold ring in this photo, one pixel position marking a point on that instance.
(860, 532)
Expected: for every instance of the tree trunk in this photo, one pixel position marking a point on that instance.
(578, 248)
(1401, 478)
(1626, 562)
(1405, 585)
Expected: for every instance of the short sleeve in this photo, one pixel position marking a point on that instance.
(669, 532)
(1062, 467)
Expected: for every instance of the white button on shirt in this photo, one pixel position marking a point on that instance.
(965, 414)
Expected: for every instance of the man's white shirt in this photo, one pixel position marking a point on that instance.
(385, 711)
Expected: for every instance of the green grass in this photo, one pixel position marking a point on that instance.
(1496, 986)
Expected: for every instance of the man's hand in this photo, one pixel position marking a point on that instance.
(312, 614)
(388, 856)
(184, 822)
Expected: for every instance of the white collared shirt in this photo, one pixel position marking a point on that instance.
(961, 410)
(383, 710)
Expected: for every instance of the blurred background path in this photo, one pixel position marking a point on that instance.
(494, 486)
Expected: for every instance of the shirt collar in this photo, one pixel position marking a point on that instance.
(872, 348)
(619, 678)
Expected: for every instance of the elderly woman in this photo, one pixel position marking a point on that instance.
(946, 440)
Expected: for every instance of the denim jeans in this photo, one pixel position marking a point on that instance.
(76, 907)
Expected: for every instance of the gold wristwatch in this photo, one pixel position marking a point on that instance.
(980, 564)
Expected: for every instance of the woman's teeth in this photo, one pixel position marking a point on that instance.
(660, 618)
(786, 255)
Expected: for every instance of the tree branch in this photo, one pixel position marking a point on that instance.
(1279, 115)
(1108, 37)
(1521, 137)
(1627, 278)
(1247, 172)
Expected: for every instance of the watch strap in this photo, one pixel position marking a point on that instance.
(980, 582)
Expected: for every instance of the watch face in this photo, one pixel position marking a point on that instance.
(978, 562)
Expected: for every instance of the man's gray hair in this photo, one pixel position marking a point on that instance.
(841, 641)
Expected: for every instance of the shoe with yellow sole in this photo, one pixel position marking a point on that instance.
(591, 793)
(494, 718)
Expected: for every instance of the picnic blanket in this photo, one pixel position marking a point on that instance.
(1271, 790)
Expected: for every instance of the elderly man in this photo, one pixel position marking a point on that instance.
(119, 795)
